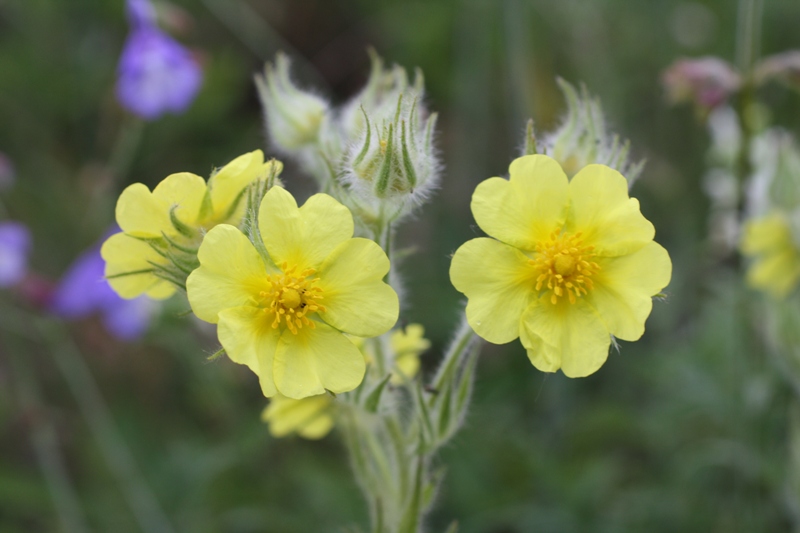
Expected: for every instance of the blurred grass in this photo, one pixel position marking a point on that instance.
(682, 431)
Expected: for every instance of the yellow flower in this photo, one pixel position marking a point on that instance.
(407, 345)
(573, 264)
(311, 417)
(776, 268)
(165, 226)
(283, 315)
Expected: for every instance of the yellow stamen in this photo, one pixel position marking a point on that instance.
(291, 297)
(565, 266)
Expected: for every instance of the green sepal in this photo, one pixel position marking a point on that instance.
(179, 226)
(386, 167)
(374, 397)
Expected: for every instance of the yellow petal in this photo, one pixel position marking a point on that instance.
(227, 184)
(624, 287)
(567, 336)
(601, 210)
(184, 191)
(498, 281)
(309, 417)
(249, 339)
(765, 234)
(776, 273)
(356, 299)
(142, 214)
(231, 273)
(126, 255)
(302, 237)
(525, 209)
(316, 360)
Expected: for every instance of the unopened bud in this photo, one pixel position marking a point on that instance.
(706, 81)
(583, 138)
(294, 117)
(379, 97)
(784, 67)
(394, 159)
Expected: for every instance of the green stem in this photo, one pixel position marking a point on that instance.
(46, 447)
(125, 147)
(748, 37)
(456, 353)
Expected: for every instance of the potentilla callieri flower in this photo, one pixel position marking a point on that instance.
(573, 264)
(283, 312)
(776, 254)
(310, 418)
(15, 245)
(162, 229)
(157, 74)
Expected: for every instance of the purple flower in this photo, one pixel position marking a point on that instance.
(15, 244)
(156, 73)
(83, 291)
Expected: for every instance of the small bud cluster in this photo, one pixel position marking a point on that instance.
(294, 118)
(583, 138)
(375, 153)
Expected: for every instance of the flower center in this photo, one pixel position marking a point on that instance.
(291, 297)
(565, 267)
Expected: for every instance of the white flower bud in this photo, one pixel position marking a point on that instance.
(393, 160)
(379, 97)
(583, 138)
(294, 118)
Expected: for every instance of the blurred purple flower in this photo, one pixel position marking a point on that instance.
(706, 81)
(84, 291)
(7, 174)
(156, 73)
(15, 245)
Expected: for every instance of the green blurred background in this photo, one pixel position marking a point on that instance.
(683, 431)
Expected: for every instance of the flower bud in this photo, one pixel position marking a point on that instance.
(393, 160)
(706, 81)
(783, 67)
(294, 118)
(775, 182)
(379, 97)
(583, 138)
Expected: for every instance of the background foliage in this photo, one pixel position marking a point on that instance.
(685, 430)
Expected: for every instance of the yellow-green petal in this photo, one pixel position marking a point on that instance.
(129, 268)
(231, 273)
(498, 281)
(184, 191)
(624, 289)
(765, 234)
(356, 299)
(528, 207)
(226, 185)
(777, 273)
(140, 215)
(602, 211)
(309, 417)
(247, 335)
(305, 236)
(316, 360)
(571, 337)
